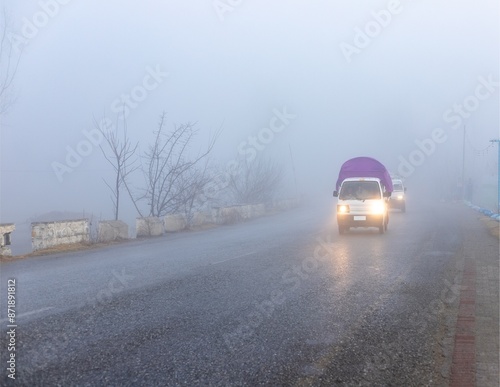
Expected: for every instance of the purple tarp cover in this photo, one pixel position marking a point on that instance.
(365, 167)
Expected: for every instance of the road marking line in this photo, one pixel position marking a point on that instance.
(28, 313)
(231, 259)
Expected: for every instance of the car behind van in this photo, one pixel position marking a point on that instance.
(398, 197)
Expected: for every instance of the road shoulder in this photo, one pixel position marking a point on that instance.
(473, 356)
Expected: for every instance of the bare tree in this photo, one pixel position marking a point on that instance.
(119, 153)
(168, 170)
(191, 188)
(255, 182)
(9, 62)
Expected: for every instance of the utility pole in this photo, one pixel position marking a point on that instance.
(498, 172)
(463, 166)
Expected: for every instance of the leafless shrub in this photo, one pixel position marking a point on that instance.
(255, 182)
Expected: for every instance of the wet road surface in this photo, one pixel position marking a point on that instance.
(280, 300)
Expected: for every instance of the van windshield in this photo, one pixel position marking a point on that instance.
(359, 190)
(397, 186)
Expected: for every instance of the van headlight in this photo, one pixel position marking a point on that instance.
(399, 197)
(342, 209)
(378, 208)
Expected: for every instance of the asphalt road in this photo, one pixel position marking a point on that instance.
(280, 300)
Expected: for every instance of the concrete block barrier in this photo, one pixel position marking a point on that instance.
(149, 226)
(112, 230)
(175, 222)
(201, 218)
(5, 238)
(49, 234)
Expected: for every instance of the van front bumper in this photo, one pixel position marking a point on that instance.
(349, 220)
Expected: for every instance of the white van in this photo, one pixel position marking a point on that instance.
(362, 202)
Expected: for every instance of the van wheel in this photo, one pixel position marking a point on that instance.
(403, 209)
(382, 228)
(342, 229)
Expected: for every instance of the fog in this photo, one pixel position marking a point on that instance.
(381, 79)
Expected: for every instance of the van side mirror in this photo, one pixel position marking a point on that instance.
(335, 194)
(405, 189)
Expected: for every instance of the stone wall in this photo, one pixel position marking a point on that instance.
(49, 234)
(5, 238)
(112, 230)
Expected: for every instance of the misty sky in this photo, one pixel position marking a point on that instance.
(233, 64)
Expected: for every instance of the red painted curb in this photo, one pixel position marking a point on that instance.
(463, 368)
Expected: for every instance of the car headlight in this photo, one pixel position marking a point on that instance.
(342, 209)
(378, 208)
